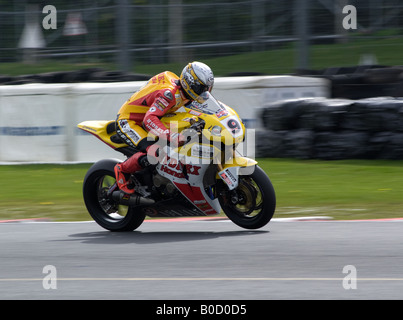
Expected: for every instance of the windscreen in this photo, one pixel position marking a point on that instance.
(209, 106)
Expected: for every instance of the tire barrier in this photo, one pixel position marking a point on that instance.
(332, 129)
(359, 82)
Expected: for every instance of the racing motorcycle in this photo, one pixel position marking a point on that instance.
(203, 177)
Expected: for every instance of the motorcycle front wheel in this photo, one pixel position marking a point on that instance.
(107, 212)
(252, 204)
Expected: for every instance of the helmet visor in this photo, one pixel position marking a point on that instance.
(203, 97)
(199, 88)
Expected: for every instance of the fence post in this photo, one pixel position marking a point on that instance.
(302, 33)
(175, 32)
(123, 35)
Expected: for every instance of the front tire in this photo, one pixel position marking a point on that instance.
(108, 213)
(256, 201)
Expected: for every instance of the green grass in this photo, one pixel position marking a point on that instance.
(43, 191)
(351, 189)
(387, 51)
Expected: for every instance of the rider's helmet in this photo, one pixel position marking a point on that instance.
(196, 79)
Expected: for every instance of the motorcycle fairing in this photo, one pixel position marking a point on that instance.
(171, 208)
(98, 128)
(187, 176)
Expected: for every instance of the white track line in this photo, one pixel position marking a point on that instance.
(200, 279)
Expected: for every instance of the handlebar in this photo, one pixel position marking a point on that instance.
(197, 125)
(195, 129)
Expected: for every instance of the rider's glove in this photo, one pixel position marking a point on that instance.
(177, 139)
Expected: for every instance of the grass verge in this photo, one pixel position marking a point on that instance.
(350, 189)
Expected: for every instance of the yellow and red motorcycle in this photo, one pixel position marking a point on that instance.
(202, 178)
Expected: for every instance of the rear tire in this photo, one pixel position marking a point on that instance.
(256, 201)
(108, 213)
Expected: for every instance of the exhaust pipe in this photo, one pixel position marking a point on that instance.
(130, 200)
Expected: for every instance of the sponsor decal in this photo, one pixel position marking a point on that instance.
(227, 180)
(228, 177)
(172, 172)
(159, 106)
(163, 102)
(134, 136)
(193, 170)
(129, 132)
(202, 151)
(159, 78)
(221, 113)
(233, 126)
(152, 126)
(175, 168)
(199, 107)
(195, 113)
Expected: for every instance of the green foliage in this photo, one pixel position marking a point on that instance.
(276, 61)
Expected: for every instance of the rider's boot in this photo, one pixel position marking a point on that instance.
(124, 169)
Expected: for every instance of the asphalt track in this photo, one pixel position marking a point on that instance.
(205, 260)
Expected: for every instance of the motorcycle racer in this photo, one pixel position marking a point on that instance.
(164, 93)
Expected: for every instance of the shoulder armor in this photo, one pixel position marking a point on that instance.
(168, 95)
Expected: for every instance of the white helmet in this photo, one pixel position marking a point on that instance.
(197, 78)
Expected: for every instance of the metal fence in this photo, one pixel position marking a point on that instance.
(160, 31)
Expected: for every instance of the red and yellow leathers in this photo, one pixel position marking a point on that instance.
(140, 114)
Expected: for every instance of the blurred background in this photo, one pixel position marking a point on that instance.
(127, 40)
(234, 37)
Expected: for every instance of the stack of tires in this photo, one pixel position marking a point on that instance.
(363, 81)
(319, 128)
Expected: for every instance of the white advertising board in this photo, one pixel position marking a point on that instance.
(38, 121)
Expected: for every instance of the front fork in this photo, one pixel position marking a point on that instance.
(230, 174)
(230, 171)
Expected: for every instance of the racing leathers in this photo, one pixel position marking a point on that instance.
(140, 114)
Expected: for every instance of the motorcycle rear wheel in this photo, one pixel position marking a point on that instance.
(108, 213)
(256, 201)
